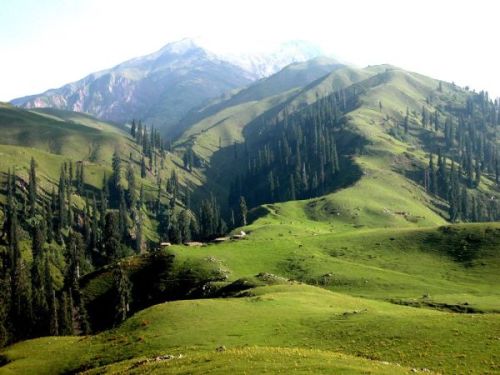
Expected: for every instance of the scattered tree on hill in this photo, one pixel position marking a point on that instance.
(123, 294)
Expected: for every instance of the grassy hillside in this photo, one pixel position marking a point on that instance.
(54, 136)
(271, 318)
(369, 278)
(392, 161)
(229, 124)
(376, 295)
(293, 76)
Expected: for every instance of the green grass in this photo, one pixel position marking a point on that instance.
(365, 274)
(287, 316)
(53, 137)
(382, 264)
(354, 313)
(257, 360)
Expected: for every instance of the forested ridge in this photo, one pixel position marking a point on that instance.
(51, 237)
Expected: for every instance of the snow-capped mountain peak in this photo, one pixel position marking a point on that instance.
(265, 63)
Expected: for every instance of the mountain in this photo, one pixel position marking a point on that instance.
(379, 116)
(327, 217)
(264, 64)
(158, 88)
(292, 77)
(162, 87)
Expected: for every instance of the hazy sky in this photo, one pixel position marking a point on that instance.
(47, 43)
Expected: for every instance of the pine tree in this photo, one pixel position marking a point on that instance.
(21, 308)
(185, 225)
(123, 218)
(62, 213)
(32, 188)
(133, 129)
(65, 314)
(433, 177)
(425, 117)
(143, 168)
(111, 237)
(116, 186)
(132, 188)
(464, 203)
(139, 237)
(38, 283)
(442, 179)
(477, 173)
(53, 311)
(94, 227)
(123, 294)
(243, 211)
(81, 179)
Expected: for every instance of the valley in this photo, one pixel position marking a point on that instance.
(367, 203)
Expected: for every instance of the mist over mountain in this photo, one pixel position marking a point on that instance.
(264, 64)
(161, 88)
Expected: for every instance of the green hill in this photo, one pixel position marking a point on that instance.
(376, 103)
(377, 294)
(371, 243)
(55, 136)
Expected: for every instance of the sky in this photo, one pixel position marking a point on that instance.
(46, 44)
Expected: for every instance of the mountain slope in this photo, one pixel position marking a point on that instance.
(286, 314)
(70, 134)
(352, 179)
(226, 125)
(158, 88)
(372, 131)
(162, 87)
(293, 76)
(55, 138)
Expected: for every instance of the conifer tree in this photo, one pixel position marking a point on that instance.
(61, 205)
(116, 187)
(123, 294)
(132, 188)
(21, 308)
(38, 283)
(139, 237)
(133, 129)
(432, 175)
(477, 173)
(143, 168)
(243, 211)
(123, 218)
(65, 314)
(32, 188)
(53, 311)
(111, 237)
